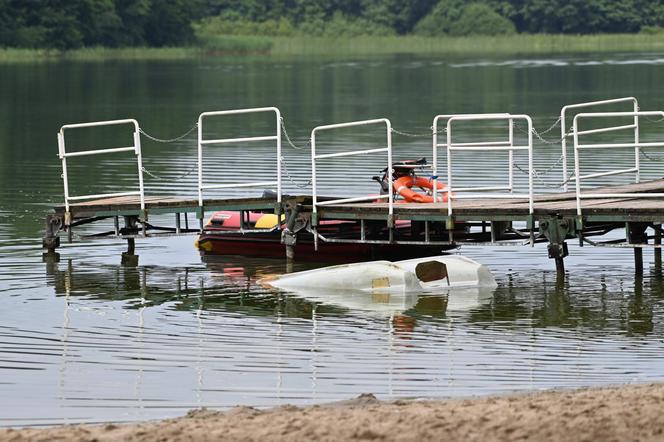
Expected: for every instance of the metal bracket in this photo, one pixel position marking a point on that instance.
(51, 240)
(556, 230)
(288, 237)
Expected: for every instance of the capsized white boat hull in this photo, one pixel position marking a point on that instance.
(413, 275)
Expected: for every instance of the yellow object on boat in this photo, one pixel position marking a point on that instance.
(206, 246)
(268, 221)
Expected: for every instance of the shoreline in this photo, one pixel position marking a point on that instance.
(629, 412)
(221, 46)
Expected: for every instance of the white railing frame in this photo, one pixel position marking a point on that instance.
(388, 149)
(563, 127)
(637, 146)
(136, 148)
(499, 145)
(203, 142)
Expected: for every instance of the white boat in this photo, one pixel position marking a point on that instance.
(413, 275)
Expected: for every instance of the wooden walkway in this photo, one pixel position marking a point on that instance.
(557, 204)
(131, 206)
(554, 218)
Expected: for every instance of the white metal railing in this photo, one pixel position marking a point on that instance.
(636, 145)
(507, 145)
(204, 142)
(564, 135)
(136, 148)
(388, 149)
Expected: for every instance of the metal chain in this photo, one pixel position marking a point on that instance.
(290, 142)
(652, 120)
(412, 135)
(540, 137)
(553, 126)
(290, 178)
(538, 177)
(650, 158)
(161, 178)
(171, 140)
(550, 168)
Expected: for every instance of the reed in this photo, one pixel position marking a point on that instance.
(222, 45)
(522, 44)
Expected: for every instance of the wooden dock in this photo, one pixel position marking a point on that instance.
(495, 214)
(548, 205)
(483, 221)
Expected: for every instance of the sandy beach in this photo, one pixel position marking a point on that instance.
(627, 413)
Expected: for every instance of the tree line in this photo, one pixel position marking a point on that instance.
(65, 24)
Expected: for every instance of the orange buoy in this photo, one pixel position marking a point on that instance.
(403, 186)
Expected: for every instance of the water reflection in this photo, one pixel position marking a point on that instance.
(232, 284)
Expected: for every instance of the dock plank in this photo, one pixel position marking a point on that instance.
(554, 204)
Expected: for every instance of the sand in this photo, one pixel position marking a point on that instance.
(628, 413)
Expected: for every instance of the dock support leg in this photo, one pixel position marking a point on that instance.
(289, 234)
(556, 231)
(129, 258)
(638, 260)
(636, 234)
(51, 240)
(658, 251)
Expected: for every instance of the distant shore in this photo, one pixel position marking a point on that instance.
(626, 413)
(238, 45)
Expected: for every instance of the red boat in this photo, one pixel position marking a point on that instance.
(222, 235)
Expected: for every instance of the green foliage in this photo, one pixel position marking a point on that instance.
(652, 30)
(69, 24)
(343, 26)
(441, 19)
(480, 19)
(169, 23)
(232, 23)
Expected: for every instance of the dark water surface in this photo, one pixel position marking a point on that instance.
(88, 339)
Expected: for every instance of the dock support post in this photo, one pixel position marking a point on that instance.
(638, 260)
(51, 240)
(289, 234)
(129, 258)
(636, 234)
(658, 241)
(556, 230)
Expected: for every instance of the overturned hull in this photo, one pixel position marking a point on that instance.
(414, 275)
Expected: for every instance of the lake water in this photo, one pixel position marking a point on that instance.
(87, 339)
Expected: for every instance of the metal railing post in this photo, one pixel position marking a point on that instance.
(496, 145)
(563, 125)
(563, 138)
(63, 158)
(200, 160)
(389, 175)
(139, 160)
(637, 145)
(577, 168)
(202, 142)
(510, 155)
(449, 166)
(136, 149)
(315, 157)
(637, 152)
